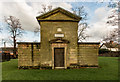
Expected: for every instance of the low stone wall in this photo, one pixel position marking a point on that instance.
(28, 54)
(88, 54)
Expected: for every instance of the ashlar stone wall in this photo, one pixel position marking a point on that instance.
(88, 54)
(28, 54)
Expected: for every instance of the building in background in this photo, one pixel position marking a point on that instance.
(7, 53)
(111, 46)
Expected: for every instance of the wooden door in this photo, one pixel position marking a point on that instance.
(59, 57)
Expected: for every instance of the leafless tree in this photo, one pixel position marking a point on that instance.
(114, 17)
(49, 7)
(1, 29)
(81, 32)
(15, 29)
(44, 10)
(83, 25)
(114, 20)
(112, 36)
(80, 11)
(37, 30)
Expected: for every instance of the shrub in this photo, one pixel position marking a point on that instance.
(102, 51)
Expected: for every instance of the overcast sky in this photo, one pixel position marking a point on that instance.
(27, 10)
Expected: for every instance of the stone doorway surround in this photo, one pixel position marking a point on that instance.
(59, 43)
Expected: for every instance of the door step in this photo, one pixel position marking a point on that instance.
(59, 67)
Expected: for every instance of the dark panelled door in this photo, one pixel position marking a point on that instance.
(59, 57)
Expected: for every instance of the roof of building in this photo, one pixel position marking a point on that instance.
(111, 45)
(88, 42)
(28, 42)
(59, 9)
(54, 40)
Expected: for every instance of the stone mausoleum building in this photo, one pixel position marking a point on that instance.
(59, 46)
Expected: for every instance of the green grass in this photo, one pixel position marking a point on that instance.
(108, 71)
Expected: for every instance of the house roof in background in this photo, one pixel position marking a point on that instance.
(88, 42)
(111, 45)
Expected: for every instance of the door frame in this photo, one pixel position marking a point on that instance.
(59, 45)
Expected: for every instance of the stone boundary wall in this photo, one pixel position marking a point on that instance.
(28, 54)
(88, 54)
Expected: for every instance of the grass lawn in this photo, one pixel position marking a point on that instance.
(108, 71)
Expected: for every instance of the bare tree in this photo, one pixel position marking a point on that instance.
(83, 25)
(1, 29)
(49, 7)
(114, 18)
(112, 36)
(37, 30)
(81, 32)
(15, 29)
(44, 10)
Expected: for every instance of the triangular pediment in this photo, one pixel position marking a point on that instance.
(59, 40)
(59, 14)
